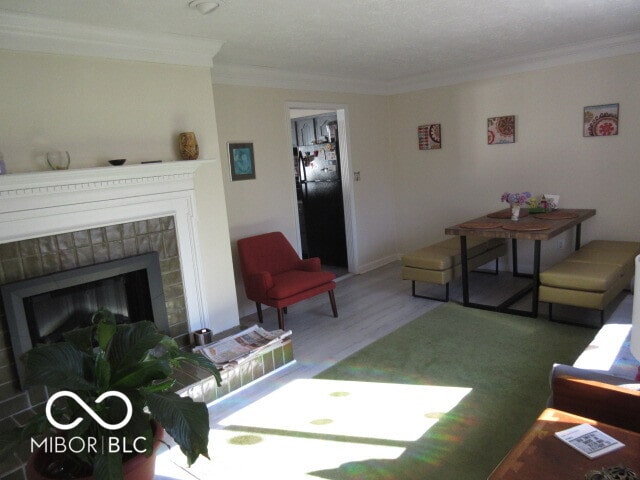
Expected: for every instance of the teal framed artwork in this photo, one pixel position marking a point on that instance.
(241, 161)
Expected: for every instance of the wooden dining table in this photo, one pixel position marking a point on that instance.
(530, 226)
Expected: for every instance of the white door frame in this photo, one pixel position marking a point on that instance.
(345, 171)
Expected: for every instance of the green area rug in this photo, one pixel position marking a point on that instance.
(504, 359)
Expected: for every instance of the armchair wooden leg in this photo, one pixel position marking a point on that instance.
(332, 297)
(259, 308)
(281, 318)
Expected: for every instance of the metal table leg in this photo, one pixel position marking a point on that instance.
(465, 270)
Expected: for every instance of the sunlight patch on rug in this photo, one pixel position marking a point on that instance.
(385, 411)
(275, 456)
(327, 423)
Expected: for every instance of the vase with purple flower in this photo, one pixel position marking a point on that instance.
(516, 201)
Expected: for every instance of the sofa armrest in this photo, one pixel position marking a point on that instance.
(616, 405)
(310, 265)
(560, 369)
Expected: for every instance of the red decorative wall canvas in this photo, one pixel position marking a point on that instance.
(601, 120)
(429, 137)
(501, 130)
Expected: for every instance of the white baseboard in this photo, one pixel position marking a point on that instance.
(367, 267)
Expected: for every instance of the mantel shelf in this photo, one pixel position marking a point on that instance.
(34, 182)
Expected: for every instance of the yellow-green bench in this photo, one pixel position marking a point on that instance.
(590, 277)
(441, 262)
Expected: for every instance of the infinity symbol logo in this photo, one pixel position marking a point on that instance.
(94, 415)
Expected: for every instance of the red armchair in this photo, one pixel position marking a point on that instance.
(274, 274)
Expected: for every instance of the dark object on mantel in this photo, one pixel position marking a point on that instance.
(118, 161)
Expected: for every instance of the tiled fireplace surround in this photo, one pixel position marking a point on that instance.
(54, 221)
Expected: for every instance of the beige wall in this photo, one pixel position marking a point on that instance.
(260, 115)
(102, 109)
(466, 177)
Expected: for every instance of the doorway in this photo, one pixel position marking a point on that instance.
(319, 175)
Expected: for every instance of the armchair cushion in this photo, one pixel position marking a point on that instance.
(293, 282)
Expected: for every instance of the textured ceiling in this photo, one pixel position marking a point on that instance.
(363, 39)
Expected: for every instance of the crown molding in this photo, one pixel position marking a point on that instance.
(571, 54)
(274, 78)
(23, 32)
(34, 33)
(252, 76)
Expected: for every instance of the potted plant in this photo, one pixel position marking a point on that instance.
(94, 371)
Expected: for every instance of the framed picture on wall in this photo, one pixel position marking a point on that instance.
(600, 120)
(241, 161)
(501, 130)
(429, 137)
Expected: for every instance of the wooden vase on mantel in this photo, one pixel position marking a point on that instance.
(188, 146)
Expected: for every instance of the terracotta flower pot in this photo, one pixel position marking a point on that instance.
(139, 467)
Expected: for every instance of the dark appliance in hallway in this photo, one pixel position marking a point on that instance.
(319, 189)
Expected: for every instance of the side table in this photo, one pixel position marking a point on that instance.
(540, 454)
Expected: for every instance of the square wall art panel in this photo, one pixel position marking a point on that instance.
(601, 120)
(429, 137)
(501, 129)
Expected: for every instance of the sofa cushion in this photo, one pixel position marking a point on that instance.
(593, 277)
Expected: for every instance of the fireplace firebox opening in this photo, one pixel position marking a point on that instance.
(41, 309)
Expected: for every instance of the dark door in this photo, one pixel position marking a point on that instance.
(320, 194)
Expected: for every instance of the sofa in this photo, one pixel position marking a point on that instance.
(604, 382)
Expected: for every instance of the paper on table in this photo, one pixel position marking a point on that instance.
(588, 440)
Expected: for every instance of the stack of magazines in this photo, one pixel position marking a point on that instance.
(241, 346)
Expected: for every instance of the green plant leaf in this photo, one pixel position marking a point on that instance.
(105, 329)
(185, 420)
(58, 365)
(130, 344)
(102, 372)
(160, 386)
(107, 466)
(81, 338)
(103, 315)
(141, 374)
(201, 361)
(140, 426)
(170, 344)
(10, 439)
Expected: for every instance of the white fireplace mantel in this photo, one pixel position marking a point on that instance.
(20, 191)
(37, 204)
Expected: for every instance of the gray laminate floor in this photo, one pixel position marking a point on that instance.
(370, 306)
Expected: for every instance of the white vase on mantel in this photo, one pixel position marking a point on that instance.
(515, 211)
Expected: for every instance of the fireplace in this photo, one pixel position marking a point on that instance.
(41, 309)
(58, 221)
(54, 221)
